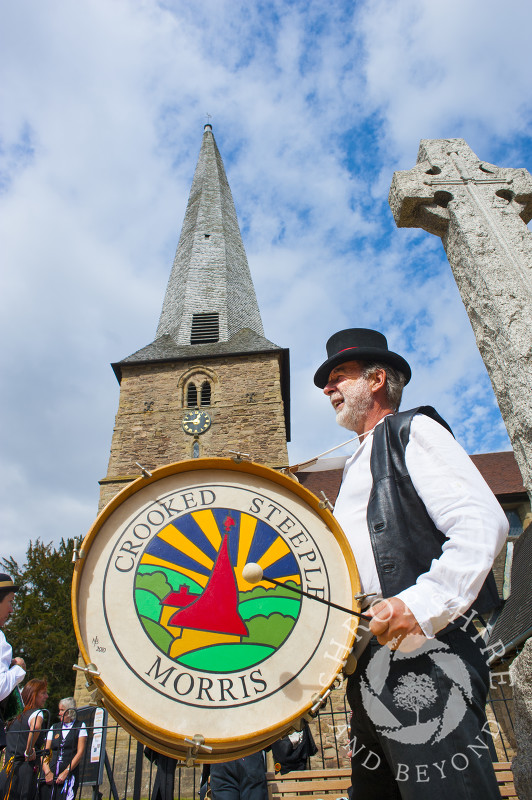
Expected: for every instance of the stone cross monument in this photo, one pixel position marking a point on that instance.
(480, 212)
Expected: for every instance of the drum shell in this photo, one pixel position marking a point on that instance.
(91, 580)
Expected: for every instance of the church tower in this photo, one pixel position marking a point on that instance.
(210, 382)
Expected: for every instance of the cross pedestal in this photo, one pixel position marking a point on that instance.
(480, 212)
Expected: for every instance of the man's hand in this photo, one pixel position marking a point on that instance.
(393, 623)
(19, 662)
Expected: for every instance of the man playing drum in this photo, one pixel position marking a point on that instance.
(425, 529)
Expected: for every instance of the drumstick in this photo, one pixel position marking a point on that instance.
(253, 573)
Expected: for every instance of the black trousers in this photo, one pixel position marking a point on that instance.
(242, 779)
(418, 728)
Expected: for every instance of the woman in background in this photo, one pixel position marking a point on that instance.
(25, 737)
(67, 740)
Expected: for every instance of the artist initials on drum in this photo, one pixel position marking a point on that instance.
(202, 688)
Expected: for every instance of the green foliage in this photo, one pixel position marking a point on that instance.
(40, 628)
(271, 630)
(155, 582)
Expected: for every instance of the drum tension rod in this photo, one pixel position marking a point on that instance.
(199, 743)
(361, 596)
(318, 701)
(238, 457)
(78, 551)
(252, 573)
(144, 471)
(90, 669)
(325, 503)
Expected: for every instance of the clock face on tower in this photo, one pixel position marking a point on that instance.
(196, 422)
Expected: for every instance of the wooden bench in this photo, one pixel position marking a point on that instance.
(334, 783)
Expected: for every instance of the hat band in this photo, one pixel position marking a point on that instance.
(6, 584)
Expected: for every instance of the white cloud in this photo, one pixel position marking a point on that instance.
(433, 68)
(314, 105)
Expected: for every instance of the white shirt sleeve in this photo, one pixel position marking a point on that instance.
(10, 676)
(463, 507)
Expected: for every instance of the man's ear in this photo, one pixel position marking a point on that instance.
(377, 380)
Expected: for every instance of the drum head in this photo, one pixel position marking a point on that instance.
(183, 643)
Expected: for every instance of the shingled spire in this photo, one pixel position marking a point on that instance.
(210, 306)
(210, 294)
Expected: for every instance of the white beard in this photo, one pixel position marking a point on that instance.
(358, 400)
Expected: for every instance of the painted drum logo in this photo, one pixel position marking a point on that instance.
(201, 632)
(193, 602)
(174, 630)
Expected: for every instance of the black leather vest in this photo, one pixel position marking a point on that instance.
(404, 538)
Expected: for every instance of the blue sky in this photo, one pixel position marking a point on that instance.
(314, 105)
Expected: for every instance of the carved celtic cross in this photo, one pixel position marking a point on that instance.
(480, 212)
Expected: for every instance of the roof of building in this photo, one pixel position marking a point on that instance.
(165, 348)
(499, 470)
(326, 481)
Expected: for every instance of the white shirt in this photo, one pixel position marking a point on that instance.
(10, 676)
(459, 502)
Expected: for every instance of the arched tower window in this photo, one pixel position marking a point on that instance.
(192, 395)
(197, 387)
(205, 393)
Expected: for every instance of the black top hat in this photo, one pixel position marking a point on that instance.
(358, 344)
(7, 583)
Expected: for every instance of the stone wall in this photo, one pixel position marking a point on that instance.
(246, 411)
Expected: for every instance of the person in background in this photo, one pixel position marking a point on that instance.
(292, 752)
(66, 740)
(163, 785)
(25, 737)
(241, 779)
(12, 670)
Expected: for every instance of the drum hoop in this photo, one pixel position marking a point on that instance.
(196, 465)
(214, 757)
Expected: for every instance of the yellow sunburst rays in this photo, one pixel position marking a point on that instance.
(277, 550)
(174, 537)
(207, 523)
(247, 532)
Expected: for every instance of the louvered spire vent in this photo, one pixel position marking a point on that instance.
(205, 328)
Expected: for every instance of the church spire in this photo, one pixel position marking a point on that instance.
(210, 295)
(210, 326)
(210, 308)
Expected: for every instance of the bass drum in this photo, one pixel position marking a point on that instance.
(188, 656)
